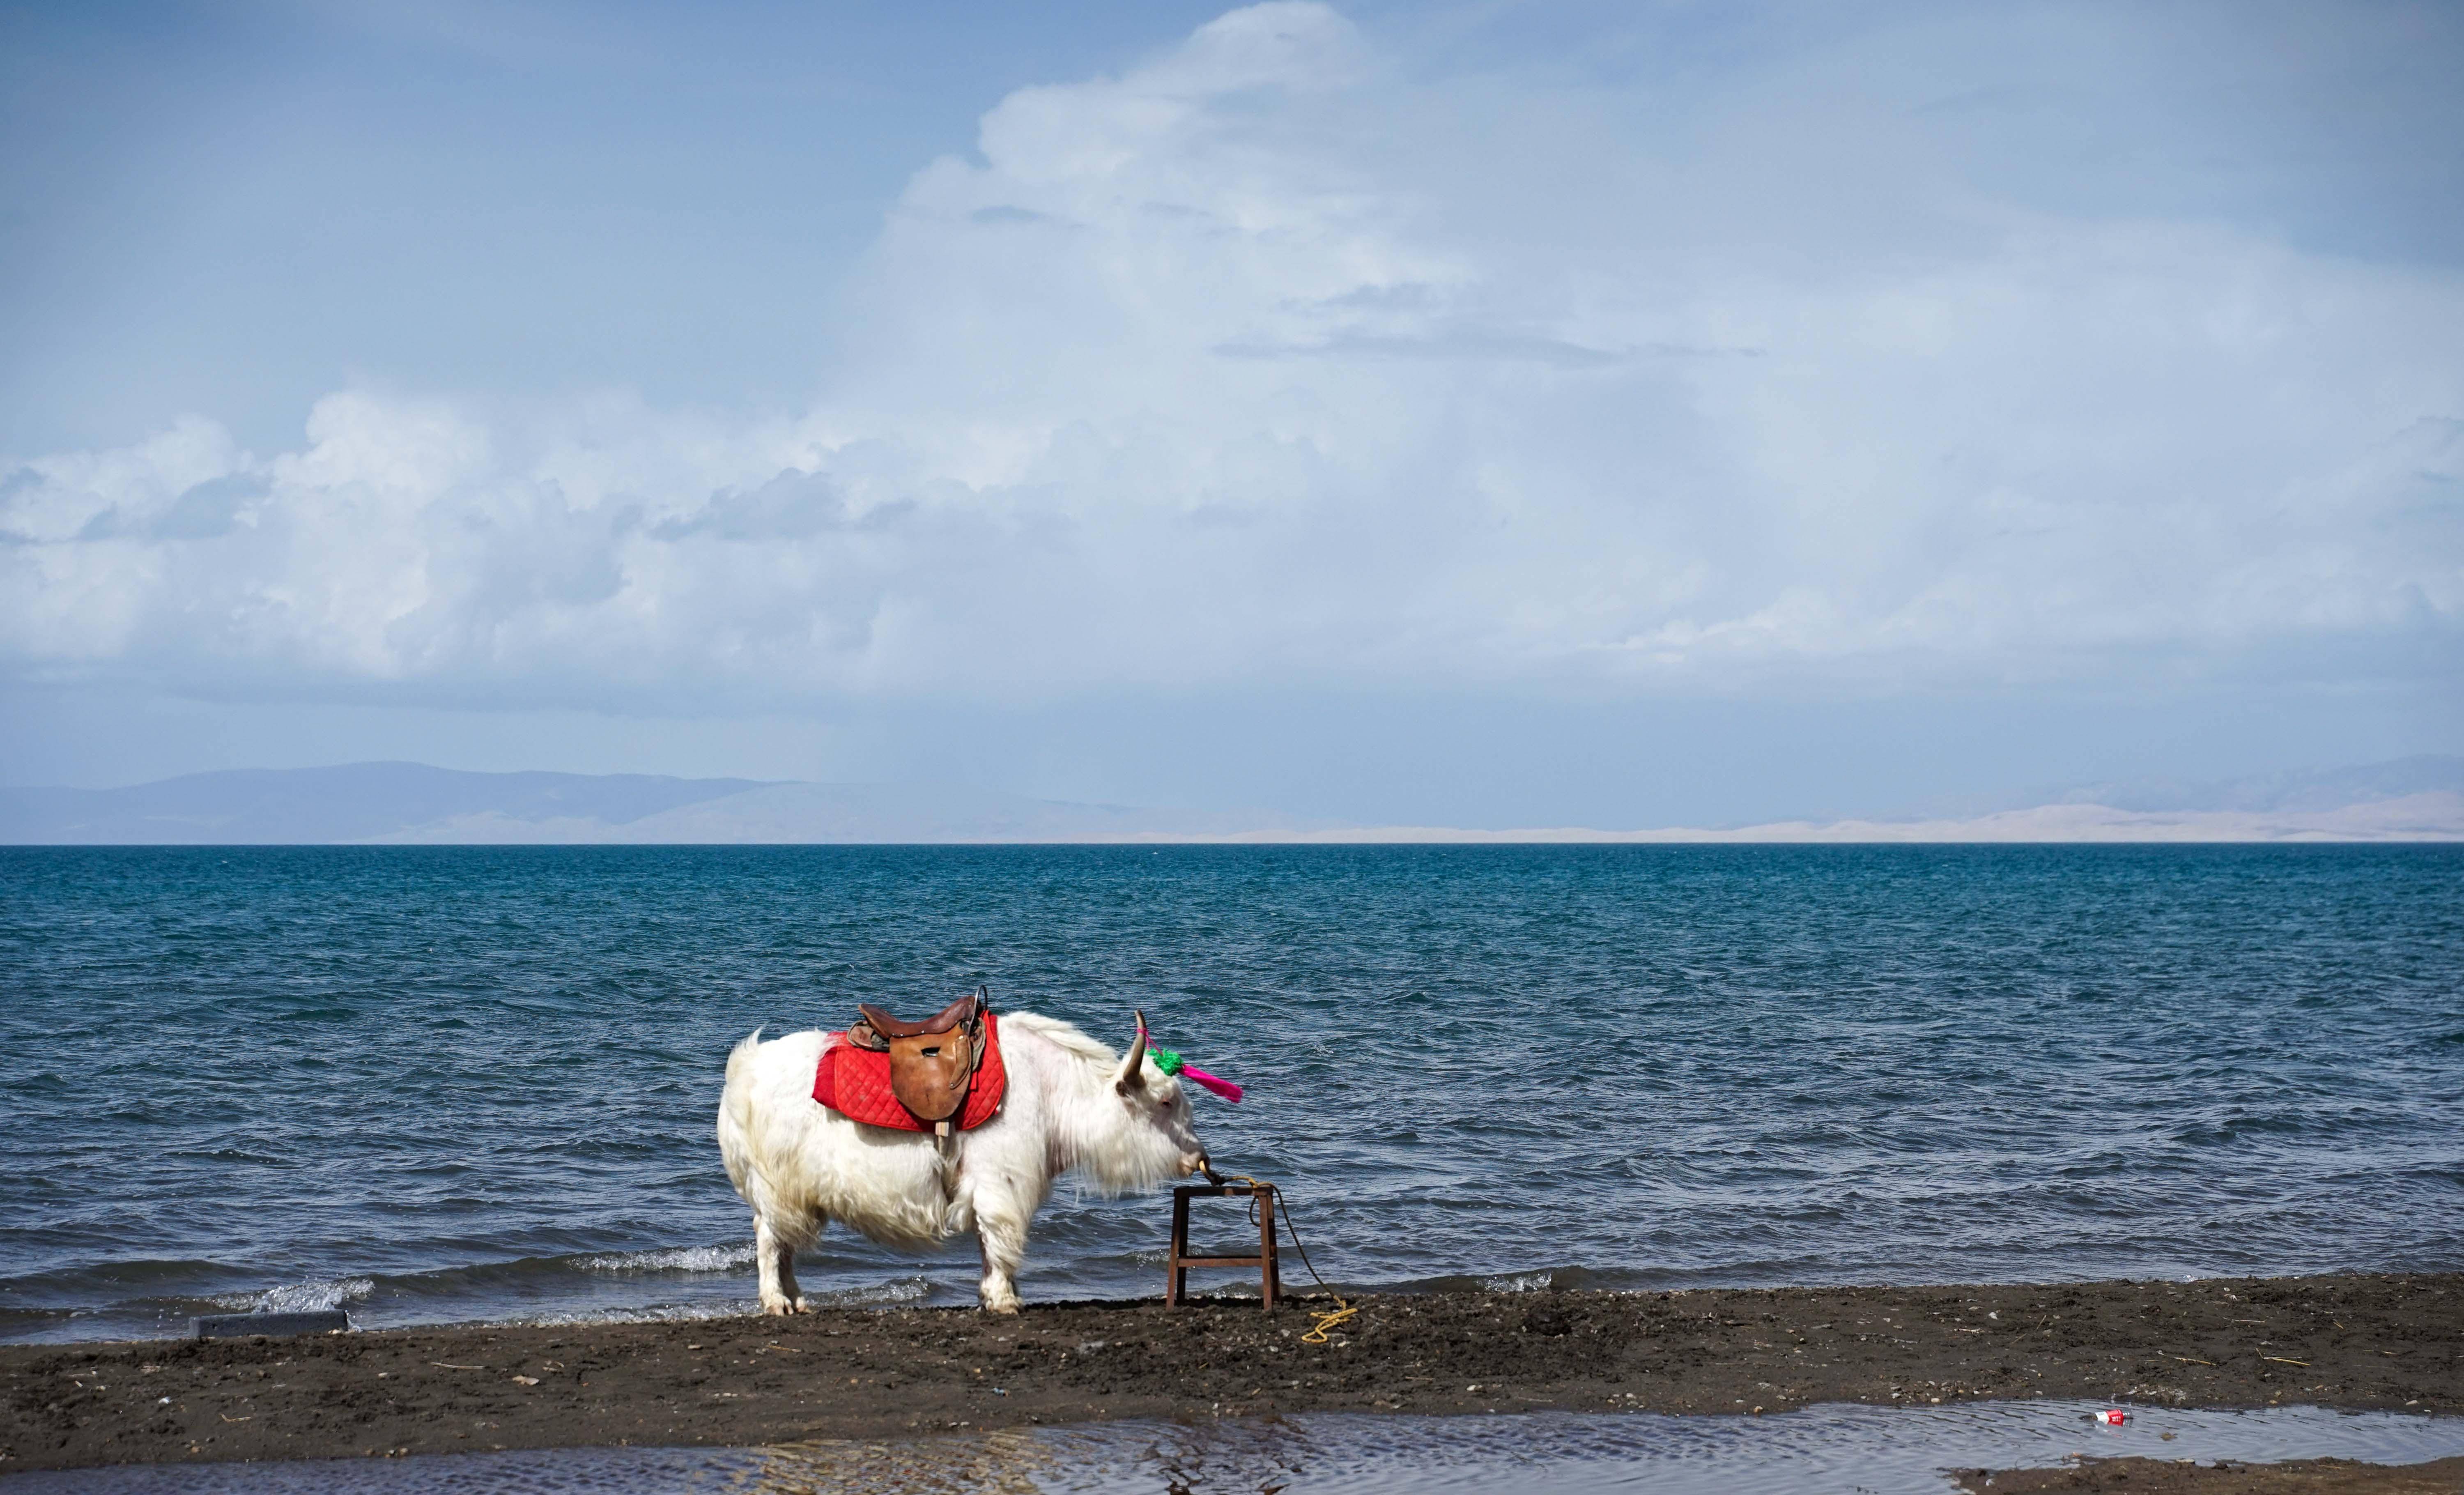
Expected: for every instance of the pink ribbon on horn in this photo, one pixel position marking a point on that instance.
(1171, 1063)
(1224, 1088)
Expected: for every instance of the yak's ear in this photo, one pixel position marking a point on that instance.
(1134, 1074)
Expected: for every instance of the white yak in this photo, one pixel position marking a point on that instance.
(1119, 1123)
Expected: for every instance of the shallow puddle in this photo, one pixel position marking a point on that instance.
(1849, 1449)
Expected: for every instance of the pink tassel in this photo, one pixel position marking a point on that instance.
(1224, 1088)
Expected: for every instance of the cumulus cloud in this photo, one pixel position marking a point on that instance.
(1273, 360)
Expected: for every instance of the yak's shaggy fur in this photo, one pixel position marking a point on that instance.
(1073, 1106)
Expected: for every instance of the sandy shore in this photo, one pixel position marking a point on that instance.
(2345, 1341)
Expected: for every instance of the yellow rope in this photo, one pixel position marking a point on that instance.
(1326, 1321)
(1316, 1335)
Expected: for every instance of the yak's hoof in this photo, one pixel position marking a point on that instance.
(783, 1307)
(1010, 1307)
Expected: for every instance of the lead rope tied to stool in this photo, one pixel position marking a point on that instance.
(1316, 1335)
(1172, 1063)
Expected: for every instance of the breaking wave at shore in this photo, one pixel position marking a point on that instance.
(305, 1297)
(672, 1259)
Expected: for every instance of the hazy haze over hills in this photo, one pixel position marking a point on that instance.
(411, 804)
(2315, 789)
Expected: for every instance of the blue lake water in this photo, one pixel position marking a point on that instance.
(444, 1083)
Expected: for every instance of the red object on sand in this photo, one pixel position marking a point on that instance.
(855, 1083)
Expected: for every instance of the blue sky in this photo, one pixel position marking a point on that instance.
(1481, 414)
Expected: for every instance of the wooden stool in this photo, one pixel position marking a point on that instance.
(1270, 1278)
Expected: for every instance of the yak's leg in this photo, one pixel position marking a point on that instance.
(776, 1261)
(1000, 1230)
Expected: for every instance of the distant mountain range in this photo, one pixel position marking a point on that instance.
(411, 804)
(2414, 798)
(2309, 789)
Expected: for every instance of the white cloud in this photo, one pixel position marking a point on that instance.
(1270, 360)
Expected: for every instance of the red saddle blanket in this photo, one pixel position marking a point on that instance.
(855, 1083)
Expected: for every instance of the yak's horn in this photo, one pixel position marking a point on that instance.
(1133, 1067)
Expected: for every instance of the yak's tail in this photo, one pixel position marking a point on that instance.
(736, 1109)
(741, 1054)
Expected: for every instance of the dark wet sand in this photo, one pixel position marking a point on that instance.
(2345, 1341)
(2156, 1477)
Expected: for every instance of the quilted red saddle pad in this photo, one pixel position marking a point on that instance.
(855, 1083)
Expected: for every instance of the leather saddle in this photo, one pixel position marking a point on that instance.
(931, 1063)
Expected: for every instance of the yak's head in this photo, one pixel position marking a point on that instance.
(1156, 1140)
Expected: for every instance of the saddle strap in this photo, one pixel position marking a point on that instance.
(974, 1028)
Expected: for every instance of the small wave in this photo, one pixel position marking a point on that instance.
(907, 1289)
(1521, 1282)
(305, 1297)
(672, 1259)
(912, 1289)
(1538, 1279)
(1552, 1279)
(657, 1313)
